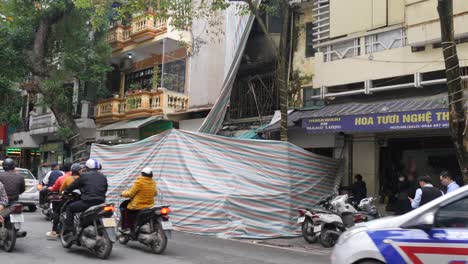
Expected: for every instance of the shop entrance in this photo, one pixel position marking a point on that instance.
(409, 158)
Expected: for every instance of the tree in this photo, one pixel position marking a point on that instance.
(62, 40)
(456, 93)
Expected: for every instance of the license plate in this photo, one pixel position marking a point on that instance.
(317, 228)
(166, 225)
(301, 219)
(17, 218)
(109, 222)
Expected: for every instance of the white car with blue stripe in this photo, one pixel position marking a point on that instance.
(435, 233)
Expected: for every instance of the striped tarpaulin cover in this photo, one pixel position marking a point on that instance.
(223, 186)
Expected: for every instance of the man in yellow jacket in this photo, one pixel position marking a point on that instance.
(141, 196)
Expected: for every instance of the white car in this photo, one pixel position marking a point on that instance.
(30, 198)
(435, 233)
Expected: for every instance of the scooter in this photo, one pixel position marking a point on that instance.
(344, 217)
(367, 207)
(10, 228)
(311, 219)
(94, 229)
(152, 228)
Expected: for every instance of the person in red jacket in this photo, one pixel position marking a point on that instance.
(58, 183)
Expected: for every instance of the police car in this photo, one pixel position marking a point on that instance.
(437, 232)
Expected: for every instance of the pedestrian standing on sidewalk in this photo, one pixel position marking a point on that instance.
(359, 189)
(426, 193)
(447, 180)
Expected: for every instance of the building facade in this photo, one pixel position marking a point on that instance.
(380, 69)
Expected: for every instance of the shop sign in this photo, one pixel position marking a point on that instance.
(411, 120)
(3, 134)
(53, 146)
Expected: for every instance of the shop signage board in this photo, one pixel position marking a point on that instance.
(3, 134)
(410, 120)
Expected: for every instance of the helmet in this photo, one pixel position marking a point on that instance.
(8, 164)
(92, 164)
(75, 167)
(147, 172)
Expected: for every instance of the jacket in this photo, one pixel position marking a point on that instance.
(58, 183)
(51, 177)
(429, 194)
(92, 185)
(142, 193)
(14, 184)
(3, 196)
(67, 182)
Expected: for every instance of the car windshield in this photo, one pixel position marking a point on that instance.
(25, 173)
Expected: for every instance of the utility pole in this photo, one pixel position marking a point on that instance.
(456, 93)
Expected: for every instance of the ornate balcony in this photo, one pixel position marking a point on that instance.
(142, 28)
(140, 105)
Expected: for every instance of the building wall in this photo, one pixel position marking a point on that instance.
(365, 162)
(191, 124)
(206, 67)
(305, 66)
(421, 27)
(304, 140)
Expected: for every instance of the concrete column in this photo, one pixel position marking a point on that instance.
(122, 85)
(365, 161)
(84, 109)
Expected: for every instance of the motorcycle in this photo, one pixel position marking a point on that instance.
(10, 228)
(94, 229)
(345, 217)
(53, 198)
(152, 228)
(367, 207)
(311, 219)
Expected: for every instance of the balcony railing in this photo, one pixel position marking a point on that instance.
(141, 28)
(142, 104)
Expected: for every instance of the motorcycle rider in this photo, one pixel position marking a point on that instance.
(141, 196)
(93, 187)
(49, 181)
(13, 182)
(58, 183)
(3, 200)
(67, 180)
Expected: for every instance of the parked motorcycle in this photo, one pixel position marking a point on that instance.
(152, 228)
(345, 216)
(311, 219)
(93, 229)
(10, 228)
(368, 208)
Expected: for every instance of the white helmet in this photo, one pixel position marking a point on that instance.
(92, 164)
(147, 171)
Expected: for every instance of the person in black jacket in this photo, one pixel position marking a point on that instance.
(12, 181)
(358, 189)
(93, 188)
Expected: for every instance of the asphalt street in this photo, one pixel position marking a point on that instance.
(182, 249)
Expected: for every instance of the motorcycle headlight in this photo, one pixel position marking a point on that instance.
(351, 232)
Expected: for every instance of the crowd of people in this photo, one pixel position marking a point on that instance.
(91, 184)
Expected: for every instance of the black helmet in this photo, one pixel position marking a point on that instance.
(8, 164)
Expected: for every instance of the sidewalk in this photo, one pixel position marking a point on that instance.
(294, 244)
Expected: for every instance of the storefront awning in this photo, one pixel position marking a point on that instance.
(130, 124)
(430, 112)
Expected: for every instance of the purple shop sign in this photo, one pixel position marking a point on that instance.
(410, 120)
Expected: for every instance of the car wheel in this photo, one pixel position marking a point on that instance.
(32, 208)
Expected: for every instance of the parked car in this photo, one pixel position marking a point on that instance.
(434, 233)
(30, 198)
